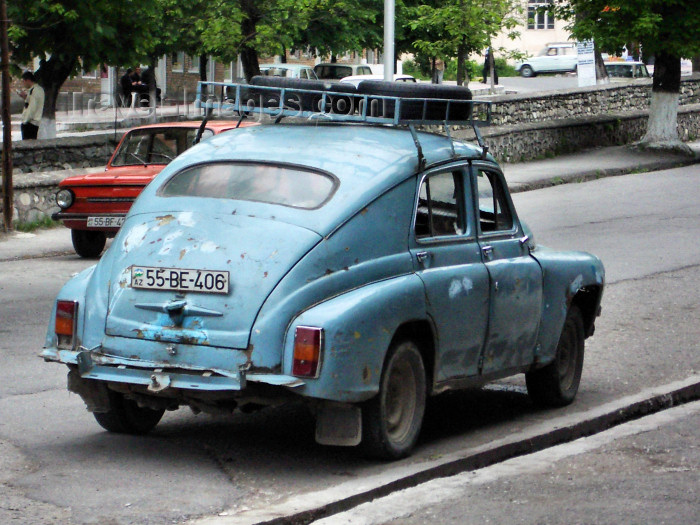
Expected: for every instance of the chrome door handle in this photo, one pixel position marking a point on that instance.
(422, 256)
(487, 251)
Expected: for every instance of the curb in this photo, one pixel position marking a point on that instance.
(608, 416)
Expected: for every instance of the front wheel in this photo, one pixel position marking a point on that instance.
(556, 384)
(527, 71)
(88, 243)
(126, 417)
(392, 420)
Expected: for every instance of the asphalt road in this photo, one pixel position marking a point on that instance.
(58, 466)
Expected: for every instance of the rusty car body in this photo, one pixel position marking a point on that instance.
(358, 267)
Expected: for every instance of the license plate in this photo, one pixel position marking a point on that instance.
(179, 279)
(105, 222)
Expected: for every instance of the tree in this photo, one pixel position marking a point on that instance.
(68, 36)
(666, 29)
(456, 28)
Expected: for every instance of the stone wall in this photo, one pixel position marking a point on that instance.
(584, 102)
(523, 142)
(63, 153)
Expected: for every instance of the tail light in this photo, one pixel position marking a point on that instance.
(308, 345)
(66, 317)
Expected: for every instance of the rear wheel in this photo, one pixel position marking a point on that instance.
(527, 71)
(88, 244)
(556, 384)
(126, 417)
(392, 420)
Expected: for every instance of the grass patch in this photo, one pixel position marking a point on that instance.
(43, 223)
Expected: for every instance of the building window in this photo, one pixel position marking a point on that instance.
(178, 60)
(537, 16)
(194, 64)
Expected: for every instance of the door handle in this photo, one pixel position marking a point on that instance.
(422, 257)
(487, 251)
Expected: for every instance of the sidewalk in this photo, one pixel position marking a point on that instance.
(523, 176)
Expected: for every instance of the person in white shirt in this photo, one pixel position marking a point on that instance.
(33, 106)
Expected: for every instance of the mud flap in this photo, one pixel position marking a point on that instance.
(338, 424)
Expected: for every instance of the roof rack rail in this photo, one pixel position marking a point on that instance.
(338, 106)
(333, 105)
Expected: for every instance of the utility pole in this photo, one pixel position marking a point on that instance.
(389, 10)
(7, 192)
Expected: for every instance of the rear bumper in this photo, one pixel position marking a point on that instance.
(160, 376)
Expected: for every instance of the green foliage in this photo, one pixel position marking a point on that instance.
(447, 27)
(661, 26)
(81, 34)
(472, 69)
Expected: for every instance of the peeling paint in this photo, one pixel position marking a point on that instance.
(182, 253)
(164, 219)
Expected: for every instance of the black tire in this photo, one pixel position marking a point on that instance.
(556, 384)
(301, 100)
(88, 244)
(391, 421)
(527, 71)
(126, 417)
(414, 109)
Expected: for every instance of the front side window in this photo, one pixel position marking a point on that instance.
(286, 186)
(440, 212)
(494, 213)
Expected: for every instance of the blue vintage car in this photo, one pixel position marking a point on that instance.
(359, 267)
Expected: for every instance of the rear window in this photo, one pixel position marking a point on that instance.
(273, 184)
(333, 72)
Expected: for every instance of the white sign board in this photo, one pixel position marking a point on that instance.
(586, 63)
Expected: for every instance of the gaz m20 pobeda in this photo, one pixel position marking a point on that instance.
(355, 262)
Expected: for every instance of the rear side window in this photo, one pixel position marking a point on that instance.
(273, 184)
(440, 212)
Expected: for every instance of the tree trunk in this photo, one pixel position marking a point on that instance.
(461, 59)
(601, 74)
(203, 63)
(51, 75)
(249, 56)
(662, 128)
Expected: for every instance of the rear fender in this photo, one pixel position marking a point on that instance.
(358, 329)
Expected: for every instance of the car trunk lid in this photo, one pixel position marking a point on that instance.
(182, 261)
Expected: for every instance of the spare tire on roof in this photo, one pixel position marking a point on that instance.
(298, 100)
(413, 109)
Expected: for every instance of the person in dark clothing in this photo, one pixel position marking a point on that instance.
(148, 79)
(487, 69)
(125, 83)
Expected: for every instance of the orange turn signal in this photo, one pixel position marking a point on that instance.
(66, 315)
(308, 343)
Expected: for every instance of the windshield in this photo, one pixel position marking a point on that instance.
(287, 186)
(155, 145)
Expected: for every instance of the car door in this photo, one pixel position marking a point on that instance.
(515, 276)
(448, 260)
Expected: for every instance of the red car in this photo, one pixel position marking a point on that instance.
(93, 206)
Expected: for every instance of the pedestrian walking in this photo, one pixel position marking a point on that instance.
(33, 106)
(486, 73)
(438, 71)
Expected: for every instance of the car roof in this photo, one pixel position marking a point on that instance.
(366, 160)
(285, 66)
(216, 125)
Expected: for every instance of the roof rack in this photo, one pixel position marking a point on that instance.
(334, 105)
